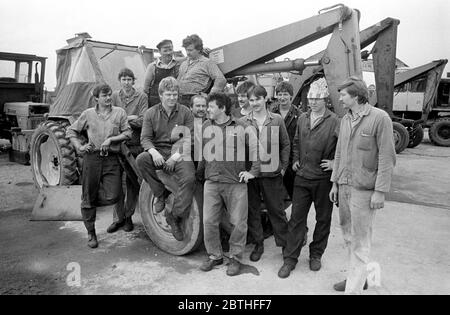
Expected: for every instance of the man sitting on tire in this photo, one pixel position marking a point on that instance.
(107, 126)
(166, 139)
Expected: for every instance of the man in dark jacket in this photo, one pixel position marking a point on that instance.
(225, 190)
(314, 146)
(274, 149)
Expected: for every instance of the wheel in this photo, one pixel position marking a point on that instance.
(53, 158)
(401, 137)
(417, 137)
(159, 231)
(439, 132)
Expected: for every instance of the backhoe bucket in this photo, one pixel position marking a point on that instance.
(58, 203)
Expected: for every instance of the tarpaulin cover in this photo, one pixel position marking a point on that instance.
(84, 63)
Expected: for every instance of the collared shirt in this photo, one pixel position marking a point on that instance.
(161, 131)
(225, 163)
(365, 152)
(195, 76)
(150, 72)
(136, 104)
(99, 127)
(315, 118)
(268, 144)
(356, 116)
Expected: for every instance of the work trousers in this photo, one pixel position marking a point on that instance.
(101, 185)
(272, 191)
(126, 206)
(218, 198)
(288, 180)
(356, 219)
(305, 193)
(185, 177)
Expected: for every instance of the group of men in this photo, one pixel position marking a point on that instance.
(243, 156)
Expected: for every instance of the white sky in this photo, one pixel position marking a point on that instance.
(41, 27)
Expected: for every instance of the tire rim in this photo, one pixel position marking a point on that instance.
(444, 132)
(397, 138)
(160, 218)
(46, 164)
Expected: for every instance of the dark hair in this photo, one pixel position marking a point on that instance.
(164, 42)
(193, 40)
(197, 96)
(101, 87)
(284, 87)
(244, 87)
(356, 87)
(222, 100)
(258, 91)
(125, 72)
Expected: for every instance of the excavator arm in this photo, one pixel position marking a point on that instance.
(384, 57)
(341, 59)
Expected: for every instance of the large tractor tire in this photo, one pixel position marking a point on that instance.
(416, 138)
(155, 223)
(53, 158)
(401, 137)
(439, 132)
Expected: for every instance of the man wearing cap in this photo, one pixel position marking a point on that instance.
(314, 146)
(163, 67)
(362, 172)
(197, 73)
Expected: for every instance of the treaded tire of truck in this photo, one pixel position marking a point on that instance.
(416, 138)
(159, 231)
(439, 132)
(53, 158)
(401, 137)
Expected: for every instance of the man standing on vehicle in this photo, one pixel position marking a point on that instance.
(362, 171)
(314, 145)
(166, 65)
(106, 126)
(135, 104)
(225, 189)
(197, 73)
(166, 136)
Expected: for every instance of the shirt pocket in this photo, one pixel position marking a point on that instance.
(367, 145)
(366, 141)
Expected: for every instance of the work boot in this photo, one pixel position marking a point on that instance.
(233, 267)
(285, 270)
(177, 232)
(92, 240)
(340, 286)
(160, 203)
(257, 252)
(315, 264)
(209, 264)
(128, 226)
(115, 226)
